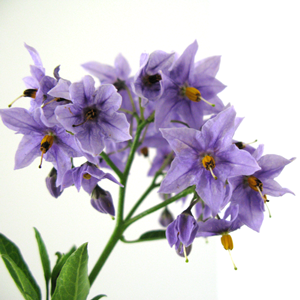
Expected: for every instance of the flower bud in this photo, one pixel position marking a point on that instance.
(165, 218)
(51, 184)
(102, 201)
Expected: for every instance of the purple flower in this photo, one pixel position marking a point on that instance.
(92, 117)
(187, 88)
(207, 158)
(148, 81)
(221, 226)
(250, 192)
(54, 190)
(182, 231)
(117, 75)
(87, 176)
(51, 143)
(102, 201)
(165, 218)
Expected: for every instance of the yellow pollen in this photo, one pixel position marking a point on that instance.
(209, 164)
(87, 176)
(46, 144)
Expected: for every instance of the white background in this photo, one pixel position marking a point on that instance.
(259, 44)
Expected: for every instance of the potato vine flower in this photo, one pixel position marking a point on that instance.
(207, 158)
(92, 117)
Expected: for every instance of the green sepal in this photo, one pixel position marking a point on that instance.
(44, 258)
(73, 282)
(7, 247)
(20, 279)
(61, 259)
(99, 297)
(148, 236)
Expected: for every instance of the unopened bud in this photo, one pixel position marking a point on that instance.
(102, 201)
(54, 190)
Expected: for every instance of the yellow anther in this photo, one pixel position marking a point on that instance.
(227, 242)
(209, 164)
(27, 93)
(46, 144)
(193, 94)
(255, 183)
(87, 176)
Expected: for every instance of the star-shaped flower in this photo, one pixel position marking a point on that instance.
(92, 117)
(207, 158)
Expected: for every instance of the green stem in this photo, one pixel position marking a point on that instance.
(130, 98)
(152, 186)
(105, 254)
(185, 192)
(120, 226)
(111, 164)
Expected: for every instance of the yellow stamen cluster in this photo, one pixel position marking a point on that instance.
(209, 164)
(27, 93)
(46, 144)
(227, 242)
(194, 95)
(87, 176)
(255, 183)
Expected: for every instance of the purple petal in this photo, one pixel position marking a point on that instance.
(209, 66)
(181, 175)
(34, 55)
(28, 150)
(271, 165)
(61, 90)
(273, 188)
(122, 67)
(105, 73)
(181, 69)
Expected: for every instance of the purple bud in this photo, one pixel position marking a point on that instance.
(102, 201)
(51, 184)
(165, 218)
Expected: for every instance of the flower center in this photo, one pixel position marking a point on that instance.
(209, 164)
(256, 185)
(91, 114)
(46, 144)
(151, 79)
(87, 176)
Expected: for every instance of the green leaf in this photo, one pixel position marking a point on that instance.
(7, 247)
(99, 297)
(61, 259)
(22, 282)
(73, 282)
(44, 258)
(148, 236)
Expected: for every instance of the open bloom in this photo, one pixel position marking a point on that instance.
(207, 158)
(250, 192)
(50, 143)
(187, 87)
(92, 117)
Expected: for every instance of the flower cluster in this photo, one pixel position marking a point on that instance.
(171, 105)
